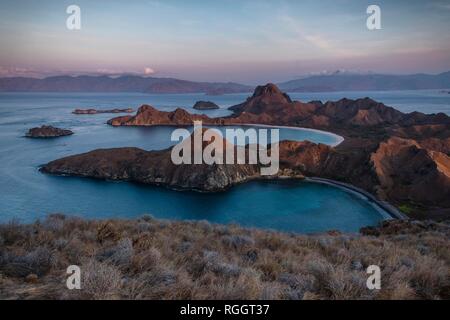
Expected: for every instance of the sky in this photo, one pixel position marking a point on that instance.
(246, 41)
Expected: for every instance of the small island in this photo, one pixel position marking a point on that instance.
(95, 111)
(47, 132)
(205, 105)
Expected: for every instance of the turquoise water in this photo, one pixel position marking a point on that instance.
(27, 194)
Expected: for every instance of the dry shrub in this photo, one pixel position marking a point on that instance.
(119, 255)
(156, 284)
(151, 259)
(402, 291)
(271, 291)
(238, 241)
(246, 286)
(429, 277)
(213, 262)
(54, 223)
(75, 250)
(143, 241)
(13, 232)
(39, 262)
(100, 281)
(108, 231)
(146, 260)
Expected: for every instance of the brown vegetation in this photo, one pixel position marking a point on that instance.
(157, 259)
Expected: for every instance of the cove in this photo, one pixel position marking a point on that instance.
(26, 194)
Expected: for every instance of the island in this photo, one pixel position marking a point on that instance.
(399, 158)
(205, 105)
(96, 111)
(47, 132)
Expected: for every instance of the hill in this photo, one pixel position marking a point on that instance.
(118, 84)
(367, 82)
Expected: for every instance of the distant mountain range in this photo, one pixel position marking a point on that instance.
(117, 84)
(367, 82)
(316, 83)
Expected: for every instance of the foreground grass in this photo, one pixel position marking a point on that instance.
(155, 259)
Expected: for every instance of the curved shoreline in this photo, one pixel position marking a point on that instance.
(339, 139)
(383, 205)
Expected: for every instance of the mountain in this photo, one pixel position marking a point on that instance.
(339, 81)
(118, 84)
(367, 82)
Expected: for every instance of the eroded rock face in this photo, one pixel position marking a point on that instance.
(205, 105)
(409, 173)
(47, 132)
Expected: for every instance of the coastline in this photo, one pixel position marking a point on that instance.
(339, 139)
(386, 207)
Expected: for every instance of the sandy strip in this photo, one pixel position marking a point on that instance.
(338, 138)
(387, 210)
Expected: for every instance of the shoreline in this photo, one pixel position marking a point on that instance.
(388, 208)
(339, 139)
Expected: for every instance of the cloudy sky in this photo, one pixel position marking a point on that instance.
(250, 41)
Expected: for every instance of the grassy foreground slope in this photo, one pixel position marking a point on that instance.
(157, 259)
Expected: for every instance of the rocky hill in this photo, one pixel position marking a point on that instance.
(47, 132)
(205, 105)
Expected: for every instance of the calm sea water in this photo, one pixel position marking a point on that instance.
(27, 194)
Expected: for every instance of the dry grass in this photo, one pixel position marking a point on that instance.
(154, 259)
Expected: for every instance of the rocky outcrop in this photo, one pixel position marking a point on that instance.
(96, 111)
(205, 105)
(47, 132)
(150, 116)
(409, 173)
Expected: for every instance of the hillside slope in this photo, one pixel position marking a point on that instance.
(156, 259)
